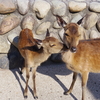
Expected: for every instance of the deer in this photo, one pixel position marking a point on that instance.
(81, 56)
(34, 56)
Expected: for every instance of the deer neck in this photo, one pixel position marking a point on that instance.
(45, 55)
(67, 56)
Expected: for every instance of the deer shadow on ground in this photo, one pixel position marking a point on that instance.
(52, 69)
(15, 64)
(93, 85)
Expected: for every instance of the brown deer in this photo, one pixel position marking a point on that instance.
(33, 56)
(81, 56)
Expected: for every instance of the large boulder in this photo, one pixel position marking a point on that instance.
(58, 8)
(28, 22)
(4, 45)
(13, 38)
(76, 18)
(9, 23)
(90, 20)
(43, 28)
(7, 6)
(76, 6)
(98, 24)
(95, 6)
(23, 6)
(41, 8)
(94, 34)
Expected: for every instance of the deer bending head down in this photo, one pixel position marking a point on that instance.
(28, 47)
(86, 58)
(72, 33)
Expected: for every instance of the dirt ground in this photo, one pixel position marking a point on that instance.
(52, 79)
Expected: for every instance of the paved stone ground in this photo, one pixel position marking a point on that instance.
(52, 80)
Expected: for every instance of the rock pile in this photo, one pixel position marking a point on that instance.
(38, 15)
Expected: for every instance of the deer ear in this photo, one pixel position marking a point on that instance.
(38, 42)
(60, 21)
(48, 33)
(80, 21)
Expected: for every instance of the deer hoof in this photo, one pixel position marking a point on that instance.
(25, 97)
(20, 72)
(66, 93)
(36, 97)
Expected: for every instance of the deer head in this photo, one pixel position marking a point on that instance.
(72, 34)
(51, 44)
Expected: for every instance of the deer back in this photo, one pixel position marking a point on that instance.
(26, 41)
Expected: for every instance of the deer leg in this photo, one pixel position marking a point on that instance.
(34, 82)
(84, 83)
(30, 69)
(23, 68)
(27, 79)
(72, 84)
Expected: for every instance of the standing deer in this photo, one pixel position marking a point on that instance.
(81, 56)
(33, 56)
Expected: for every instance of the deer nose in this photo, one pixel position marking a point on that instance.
(73, 49)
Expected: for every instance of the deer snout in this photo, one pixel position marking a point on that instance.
(73, 49)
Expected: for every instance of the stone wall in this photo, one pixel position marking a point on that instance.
(38, 15)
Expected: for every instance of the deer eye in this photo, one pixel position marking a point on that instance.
(66, 34)
(52, 45)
